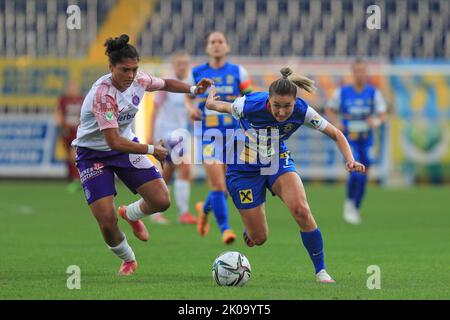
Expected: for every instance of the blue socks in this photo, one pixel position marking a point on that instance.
(362, 182)
(207, 205)
(217, 201)
(314, 245)
(356, 187)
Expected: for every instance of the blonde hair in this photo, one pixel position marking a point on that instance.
(300, 81)
(290, 82)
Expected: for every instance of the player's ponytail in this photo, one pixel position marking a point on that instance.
(290, 82)
(118, 49)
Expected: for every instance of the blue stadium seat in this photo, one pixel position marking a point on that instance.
(36, 27)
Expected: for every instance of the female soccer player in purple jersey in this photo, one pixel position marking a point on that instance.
(106, 145)
(259, 115)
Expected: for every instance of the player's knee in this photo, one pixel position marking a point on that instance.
(163, 203)
(301, 212)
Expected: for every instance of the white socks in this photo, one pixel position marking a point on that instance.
(182, 192)
(123, 250)
(134, 212)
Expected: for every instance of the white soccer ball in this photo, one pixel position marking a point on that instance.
(231, 268)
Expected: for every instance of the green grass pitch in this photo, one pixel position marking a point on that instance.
(406, 232)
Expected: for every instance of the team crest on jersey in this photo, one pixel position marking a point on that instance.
(246, 196)
(230, 79)
(109, 115)
(288, 127)
(315, 121)
(135, 100)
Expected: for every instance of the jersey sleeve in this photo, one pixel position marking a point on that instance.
(105, 111)
(314, 120)
(150, 83)
(237, 108)
(335, 101)
(380, 104)
(245, 85)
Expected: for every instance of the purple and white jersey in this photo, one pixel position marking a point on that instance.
(106, 107)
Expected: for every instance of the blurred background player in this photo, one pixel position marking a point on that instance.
(67, 119)
(168, 117)
(357, 109)
(231, 81)
(278, 109)
(106, 145)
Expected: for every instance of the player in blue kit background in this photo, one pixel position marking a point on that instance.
(361, 108)
(231, 81)
(271, 118)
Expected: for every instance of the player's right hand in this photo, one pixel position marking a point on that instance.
(355, 166)
(203, 85)
(160, 152)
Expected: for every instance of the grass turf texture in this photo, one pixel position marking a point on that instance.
(44, 229)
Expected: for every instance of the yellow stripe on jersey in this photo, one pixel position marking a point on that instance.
(208, 150)
(227, 119)
(211, 121)
(248, 155)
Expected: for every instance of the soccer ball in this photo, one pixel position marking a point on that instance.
(231, 268)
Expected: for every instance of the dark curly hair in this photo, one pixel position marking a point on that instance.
(118, 49)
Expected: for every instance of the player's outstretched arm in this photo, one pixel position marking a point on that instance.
(342, 143)
(194, 112)
(173, 85)
(212, 102)
(121, 144)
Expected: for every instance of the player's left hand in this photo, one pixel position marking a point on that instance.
(209, 104)
(355, 166)
(160, 153)
(202, 85)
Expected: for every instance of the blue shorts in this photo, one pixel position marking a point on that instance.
(248, 188)
(362, 152)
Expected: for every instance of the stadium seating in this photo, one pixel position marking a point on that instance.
(410, 28)
(301, 27)
(38, 27)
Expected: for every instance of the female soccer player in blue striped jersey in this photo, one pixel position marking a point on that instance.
(231, 81)
(362, 109)
(270, 118)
